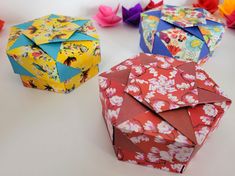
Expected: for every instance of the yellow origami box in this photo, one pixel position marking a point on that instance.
(54, 53)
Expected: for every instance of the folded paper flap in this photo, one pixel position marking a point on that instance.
(211, 17)
(208, 90)
(188, 68)
(180, 119)
(53, 28)
(120, 77)
(206, 96)
(130, 109)
(163, 87)
(121, 141)
(183, 16)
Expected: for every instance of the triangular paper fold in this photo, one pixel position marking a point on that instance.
(194, 31)
(66, 72)
(180, 119)
(160, 48)
(80, 22)
(24, 25)
(163, 25)
(51, 49)
(120, 77)
(18, 69)
(121, 141)
(204, 52)
(127, 113)
(78, 36)
(206, 96)
(21, 41)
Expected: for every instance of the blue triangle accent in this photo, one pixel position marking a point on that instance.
(24, 25)
(200, 10)
(204, 51)
(194, 31)
(163, 25)
(160, 48)
(140, 28)
(80, 22)
(65, 72)
(212, 23)
(21, 41)
(156, 13)
(53, 16)
(51, 49)
(143, 45)
(18, 69)
(78, 36)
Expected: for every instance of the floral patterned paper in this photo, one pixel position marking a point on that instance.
(182, 16)
(182, 45)
(45, 29)
(185, 33)
(39, 46)
(149, 27)
(212, 35)
(140, 132)
(162, 87)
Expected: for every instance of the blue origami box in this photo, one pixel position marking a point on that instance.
(189, 34)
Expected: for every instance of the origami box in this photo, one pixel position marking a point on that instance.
(159, 110)
(54, 53)
(189, 34)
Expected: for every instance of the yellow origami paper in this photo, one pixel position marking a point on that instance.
(54, 53)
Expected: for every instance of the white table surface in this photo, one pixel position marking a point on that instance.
(51, 134)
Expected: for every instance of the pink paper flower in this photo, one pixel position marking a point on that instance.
(107, 17)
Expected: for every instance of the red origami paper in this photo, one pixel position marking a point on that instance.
(1, 24)
(153, 5)
(159, 110)
(230, 19)
(209, 5)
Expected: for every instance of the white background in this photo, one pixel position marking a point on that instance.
(50, 134)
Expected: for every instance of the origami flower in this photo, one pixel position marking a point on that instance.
(227, 9)
(1, 24)
(152, 5)
(209, 5)
(107, 17)
(132, 16)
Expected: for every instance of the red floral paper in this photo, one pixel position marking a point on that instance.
(162, 86)
(165, 139)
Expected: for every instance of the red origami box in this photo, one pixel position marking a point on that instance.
(159, 110)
